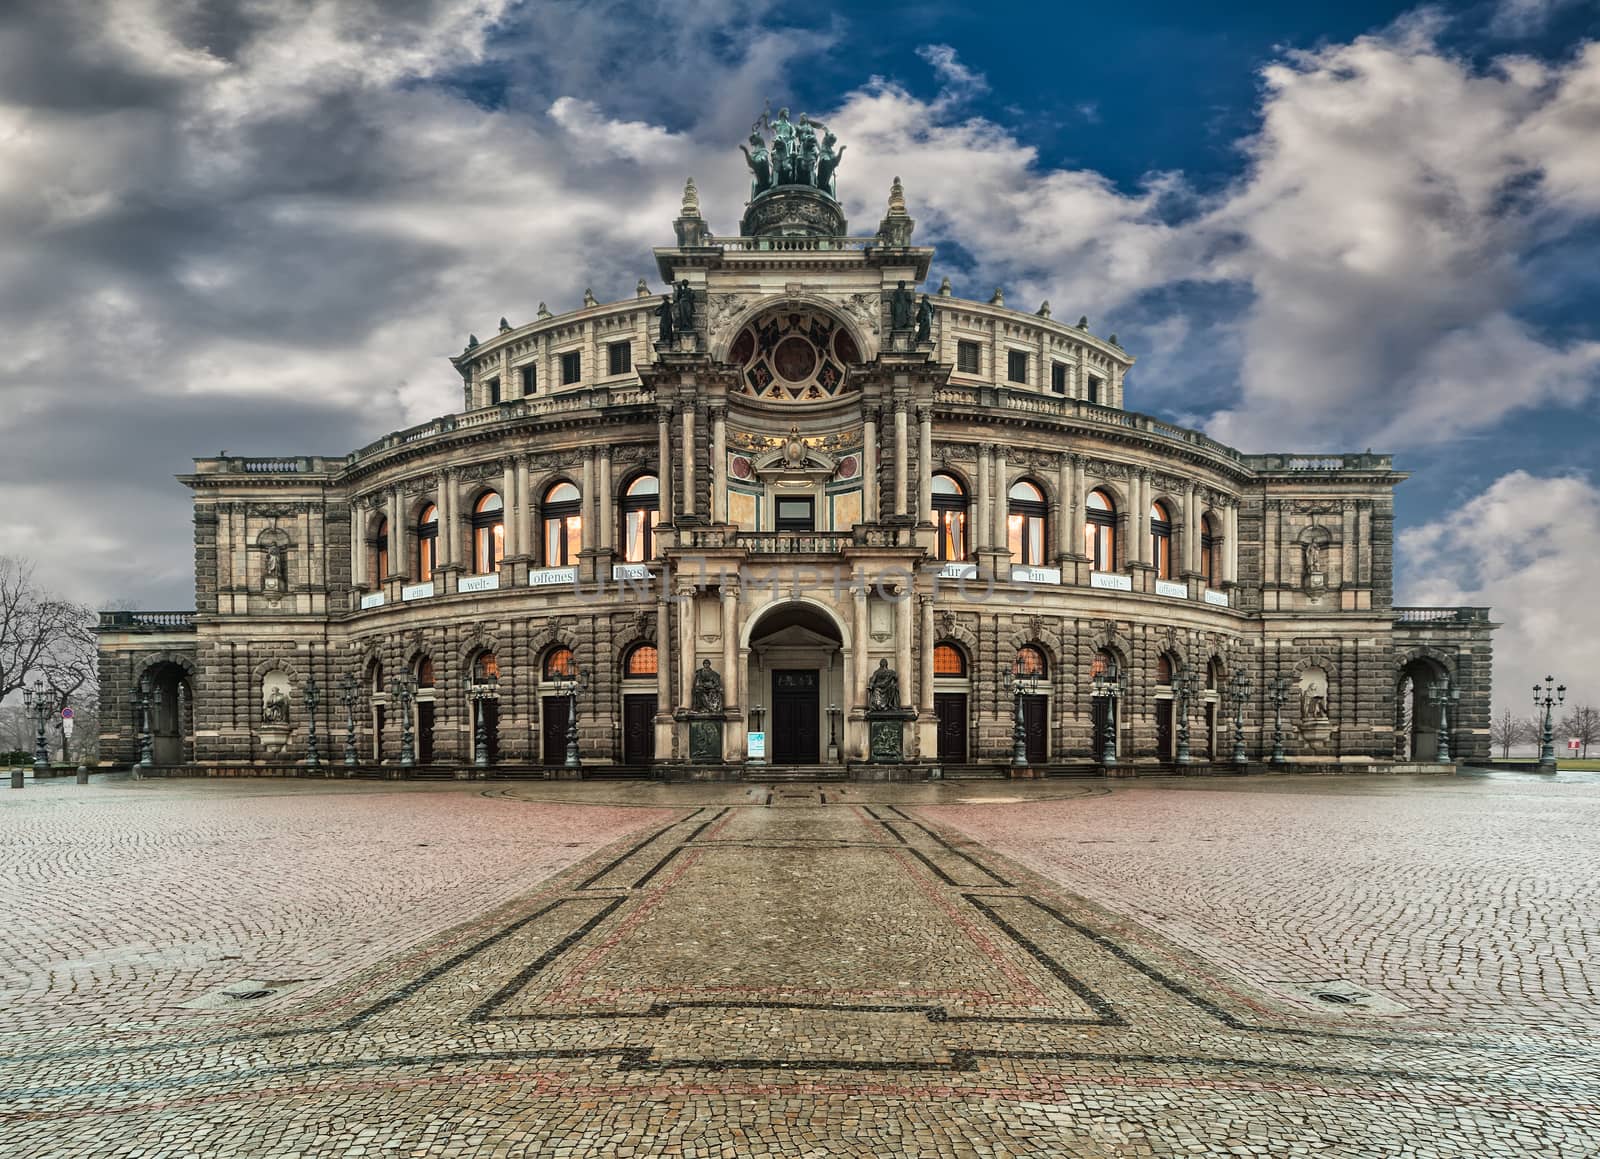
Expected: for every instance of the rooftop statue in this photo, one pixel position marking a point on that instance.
(795, 155)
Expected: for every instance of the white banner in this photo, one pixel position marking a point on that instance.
(417, 591)
(479, 583)
(1111, 581)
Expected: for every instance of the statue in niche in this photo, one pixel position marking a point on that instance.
(275, 708)
(683, 308)
(883, 689)
(1313, 695)
(901, 305)
(1313, 577)
(925, 320)
(760, 163)
(272, 568)
(707, 689)
(828, 164)
(664, 314)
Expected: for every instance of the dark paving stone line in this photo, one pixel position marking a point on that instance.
(932, 836)
(1108, 1015)
(660, 1010)
(525, 975)
(609, 866)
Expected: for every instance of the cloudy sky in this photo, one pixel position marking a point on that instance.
(260, 226)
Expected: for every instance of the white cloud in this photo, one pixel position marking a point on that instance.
(1527, 547)
(1519, 18)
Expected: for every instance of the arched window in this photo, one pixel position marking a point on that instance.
(563, 525)
(427, 543)
(1208, 551)
(1025, 524)
(1103, 664)
(558, 663)
(950, 516)
(1161, 540)
(375, 676)
(949, 660)
(1214, 675)
(488, 533)
(485, 668)
(639, 505)
(1031, 662)
(641, 662)
(380, 553)
(425, 672)
(1100, 531)
(1163, 669)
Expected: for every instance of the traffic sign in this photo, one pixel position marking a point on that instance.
(1574, 743)
(66, 714)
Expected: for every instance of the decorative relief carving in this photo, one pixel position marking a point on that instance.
(720, 310)
(865, 308)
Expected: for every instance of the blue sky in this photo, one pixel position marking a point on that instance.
(262, 227)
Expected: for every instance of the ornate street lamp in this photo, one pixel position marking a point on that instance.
(142, 701)
(1185, 689)
(349, 689)
(38, 701)
(313, 697)
(1108, 685)
(478, 692)
(1277, 693)
(402, 690)
(1022, 680)
(1442, 696)
(1240, 689)
(570, 683)
(1548, 695)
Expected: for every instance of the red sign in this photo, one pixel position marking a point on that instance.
(1574, 743)
(66, 714)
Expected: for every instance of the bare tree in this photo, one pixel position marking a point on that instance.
(44, 639)
(1508, 729)
(1582, 723)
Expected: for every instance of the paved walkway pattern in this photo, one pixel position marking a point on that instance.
(1270, 967)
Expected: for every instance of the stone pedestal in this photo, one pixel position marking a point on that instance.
(886, 734)
(705, 738)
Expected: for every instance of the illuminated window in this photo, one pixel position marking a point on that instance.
(486, 667)
(1031, 662)
(1161, 540)
(950, 516)
(639, 505)
(1208, 551)
(641, 662)
(427, 543)
(488, 533)
(1100, 531)
(563, 525)
(948, 660)
(558, 663)
(1104, 664)
(380, 552)
(1025, 524)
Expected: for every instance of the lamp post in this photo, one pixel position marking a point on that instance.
(402, 690)
(1442, 695)
(1108, 686)
(146, 757)
(1547, 696)
(1240, 689)
(479, 692)
(313, 697)
(1278, 692)
(1185, 688)
(348, 691)
(37, 700)
(1021, 681)
(571, 683)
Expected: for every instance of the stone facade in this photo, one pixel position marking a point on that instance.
(809, 459)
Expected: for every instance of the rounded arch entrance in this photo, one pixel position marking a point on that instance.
(1416, 714)
(797, 682)
(170, 686)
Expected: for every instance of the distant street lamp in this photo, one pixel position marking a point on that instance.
(38, 701)
(313, 697)
(349, 690)
(1022, 680)
(1185, 688)
(1277, 693)
(1442, 696)
(569, 684)
(1240, 689)
(1108, 686)
(142, 702)
(1548, 695)
(402, 690)
(484, 689)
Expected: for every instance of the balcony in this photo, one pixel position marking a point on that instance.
(146, 622)
(795, 542)
(1441, 615)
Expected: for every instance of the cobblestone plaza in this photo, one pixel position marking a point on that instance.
(1340, 966)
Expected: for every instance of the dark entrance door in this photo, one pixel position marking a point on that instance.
(1164, 729)
(638, 729)
(557, 712)
(796, 713)
(951, 709)
(425, 732)
(491, 729)
(1102, 726)
(1211, 732)
(1035, 720)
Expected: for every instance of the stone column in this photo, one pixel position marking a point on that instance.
(719, 466)
(1067, 508)
(397, 538)
(688, 460)
(1347, 550)
(449, 519)
(859, 641)
(358, 547)
(1002, 502)
(905, 597)
(589, 501)
(509, 507)
(869, 468)
(1140, 484)
(1230, 568)
(664, 698)
(686, 617)
(925, 464)
(524, 507)
(664, 465)
(1191, 530)
(607, 521)
(732, 685)
(980, 524)
(901, 457)
(925, 697)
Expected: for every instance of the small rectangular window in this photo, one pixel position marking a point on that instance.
(620, 356)
(1017, 366)
(571, 367)
(795, 513)
(492, 389)
(1058, 377)
(530, 379)
(1094, 389)
(967, 359)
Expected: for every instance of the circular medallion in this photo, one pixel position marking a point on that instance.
(793, 353)
(794, 359)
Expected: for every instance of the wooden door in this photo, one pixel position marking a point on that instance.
(424, 732)
(1035, 727)
(951, 709)
(1102, 725)
(557, 713)
(796, 712)
(1164, 729)
(639, 729)
(491, 729)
